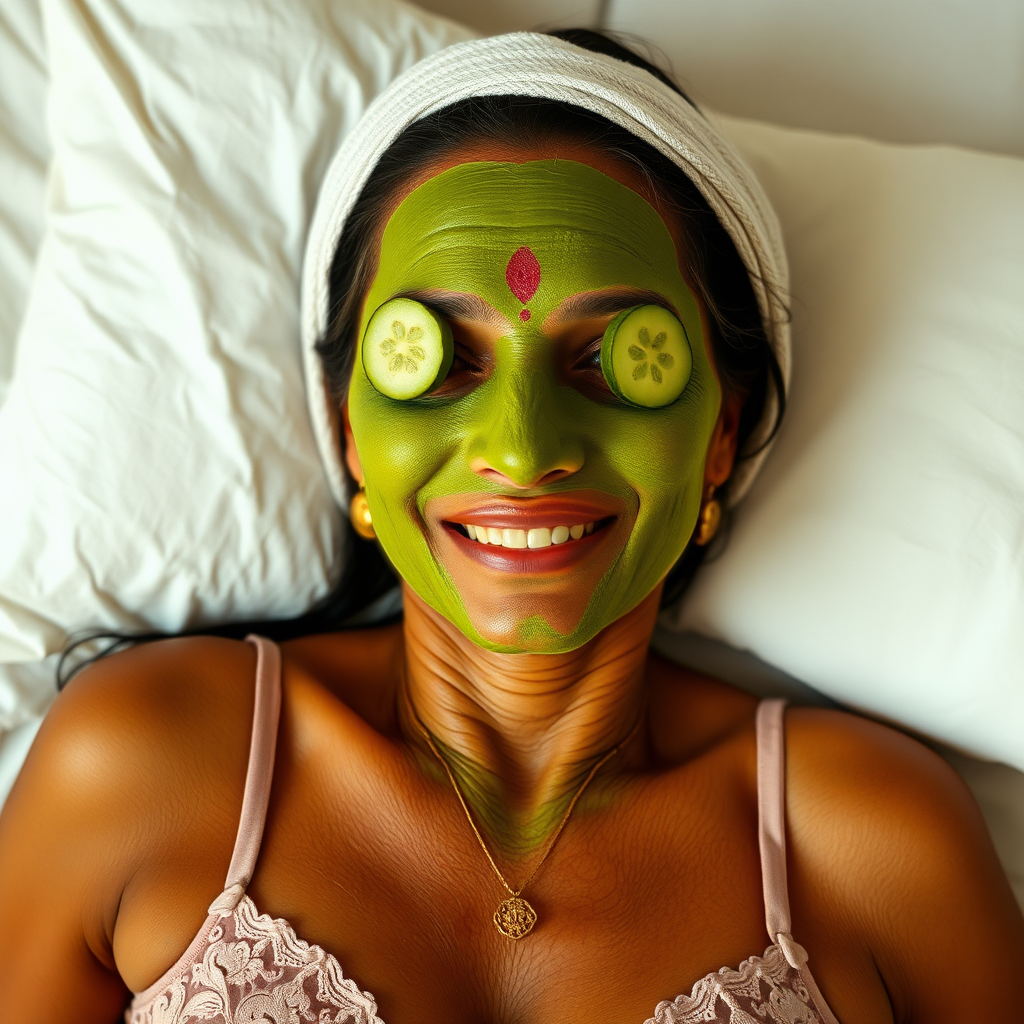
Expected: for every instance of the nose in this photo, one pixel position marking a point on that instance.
(521, 440)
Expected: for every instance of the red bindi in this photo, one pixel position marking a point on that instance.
(523, 274)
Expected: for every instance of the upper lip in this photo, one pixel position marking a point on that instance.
(523, 513)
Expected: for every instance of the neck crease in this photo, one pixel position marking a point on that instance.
(521, 732)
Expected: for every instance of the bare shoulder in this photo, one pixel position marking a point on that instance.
(182, 709)
(875, 804)
(144, 734)
(144, 714)
(873, 784)
(888, 848)
(891, 866)
(128, 750)
(128, 753)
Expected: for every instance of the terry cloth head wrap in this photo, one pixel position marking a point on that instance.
(530, 64)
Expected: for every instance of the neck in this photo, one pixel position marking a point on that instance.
(521, 732)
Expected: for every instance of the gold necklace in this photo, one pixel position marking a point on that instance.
(515, 918)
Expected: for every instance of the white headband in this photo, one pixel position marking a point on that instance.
(530, 64)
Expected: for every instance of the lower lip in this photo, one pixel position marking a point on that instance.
(530, 561)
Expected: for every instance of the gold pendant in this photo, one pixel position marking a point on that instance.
(515, 918)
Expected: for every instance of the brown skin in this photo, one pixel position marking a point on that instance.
(118, 835)
(119, 831)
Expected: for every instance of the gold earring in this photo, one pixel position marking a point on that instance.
(359, 513)
(710, 518)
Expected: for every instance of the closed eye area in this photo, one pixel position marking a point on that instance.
(575, 328)
(476, 327)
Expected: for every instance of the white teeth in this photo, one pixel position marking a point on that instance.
(539, 537)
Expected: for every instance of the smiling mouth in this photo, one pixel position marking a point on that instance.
(532, 536)
(533, 539)
(539, 550)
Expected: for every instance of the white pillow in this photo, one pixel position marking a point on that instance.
(496, 16)
(24, 150)
(880, 556)
(902, 70)
(157, 466)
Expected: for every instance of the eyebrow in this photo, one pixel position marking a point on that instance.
(590, 304)
(459, 306)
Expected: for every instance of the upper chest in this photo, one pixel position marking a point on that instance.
(654, 884)
(651, 886)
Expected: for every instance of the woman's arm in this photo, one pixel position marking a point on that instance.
(140, 762)
(63, 863)
(887, 840)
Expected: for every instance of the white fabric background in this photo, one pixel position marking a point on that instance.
(902, 70)
(490, 17)
(947, 71)
(24, 150)
(157, 467)
(880, 557)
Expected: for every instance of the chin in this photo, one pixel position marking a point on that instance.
(517, 625)
(535, 636)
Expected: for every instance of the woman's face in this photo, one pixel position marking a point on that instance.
(529, 261)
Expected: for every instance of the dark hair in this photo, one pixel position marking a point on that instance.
(745, 361)
(744, 358)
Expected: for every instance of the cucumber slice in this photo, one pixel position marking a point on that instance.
(407, 349)
(646, 357)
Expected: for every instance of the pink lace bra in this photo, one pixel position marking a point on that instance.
(248, 966)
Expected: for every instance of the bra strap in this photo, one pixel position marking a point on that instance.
(260, 773)
(771, 814)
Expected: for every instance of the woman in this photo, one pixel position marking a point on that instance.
(504, 809)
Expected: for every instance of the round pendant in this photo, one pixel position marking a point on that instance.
(515, 918)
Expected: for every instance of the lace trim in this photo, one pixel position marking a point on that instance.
(255, 968)
(763, 989)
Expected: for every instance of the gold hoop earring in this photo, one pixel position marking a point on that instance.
(359, 513)
(710, 519)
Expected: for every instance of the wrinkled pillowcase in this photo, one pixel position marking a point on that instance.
(24, 150)
(157, 468)
(880, 555)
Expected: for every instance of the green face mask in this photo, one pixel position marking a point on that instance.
(526, 448)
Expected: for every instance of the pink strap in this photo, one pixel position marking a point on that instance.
(771, 814)
(260, 773)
